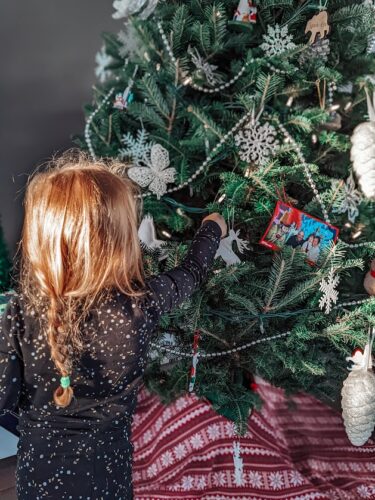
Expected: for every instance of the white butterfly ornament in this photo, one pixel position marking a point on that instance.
(156, 174)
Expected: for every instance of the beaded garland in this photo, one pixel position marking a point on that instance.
(221, 87)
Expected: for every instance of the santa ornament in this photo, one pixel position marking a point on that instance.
(246, 12)
(369, 282)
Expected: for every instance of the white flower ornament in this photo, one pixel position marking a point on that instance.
(156, 174)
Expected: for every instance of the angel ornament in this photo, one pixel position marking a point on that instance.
(152, 171)
(225, 250)
(358, 396)
(147, 236)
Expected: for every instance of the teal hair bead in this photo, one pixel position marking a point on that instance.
(65, 382)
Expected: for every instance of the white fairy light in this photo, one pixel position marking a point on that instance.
(166, 234)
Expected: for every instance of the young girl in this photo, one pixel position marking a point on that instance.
(74, 339)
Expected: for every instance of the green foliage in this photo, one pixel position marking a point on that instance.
(268, 293)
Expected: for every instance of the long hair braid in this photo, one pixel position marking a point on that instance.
(61, 352)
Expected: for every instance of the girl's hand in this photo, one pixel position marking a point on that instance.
(216, 217)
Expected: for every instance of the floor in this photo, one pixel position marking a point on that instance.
(7, 479)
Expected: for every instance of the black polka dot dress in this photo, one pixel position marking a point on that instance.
(84, 451)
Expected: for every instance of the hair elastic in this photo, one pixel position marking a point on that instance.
(65, 382)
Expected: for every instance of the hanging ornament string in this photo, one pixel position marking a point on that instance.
(188, 80)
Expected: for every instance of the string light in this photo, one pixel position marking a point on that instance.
(334, 108)
(248, 172)
(289, 102)
(166, 234)
(187, 81)
(222, 198)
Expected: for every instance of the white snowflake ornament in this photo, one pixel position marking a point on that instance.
(277, 41)
(103, 60)
(138, 148)
(156, 174)
(256, 142)
(349, 200)
(130, 44)
(225, 250)
(330, 294)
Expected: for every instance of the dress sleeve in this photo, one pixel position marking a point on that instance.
(10, 358)
(171, 288)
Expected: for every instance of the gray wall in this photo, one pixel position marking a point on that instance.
(47, 55)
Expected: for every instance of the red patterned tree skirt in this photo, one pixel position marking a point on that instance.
(185, 451)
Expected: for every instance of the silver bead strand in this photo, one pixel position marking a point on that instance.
(89, 123)
(306, 170)
(194, 85)
(220, 353)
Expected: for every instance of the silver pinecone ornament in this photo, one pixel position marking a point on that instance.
(358, 397)
(318, 50)
(363, 151)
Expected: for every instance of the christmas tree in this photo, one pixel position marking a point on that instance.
(248, 108)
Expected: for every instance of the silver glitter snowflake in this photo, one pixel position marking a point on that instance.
(330, 294)
(138, 148)
(277, 41)
(256, 142)
(348, 200)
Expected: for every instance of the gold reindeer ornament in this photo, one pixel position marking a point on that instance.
(318, 25)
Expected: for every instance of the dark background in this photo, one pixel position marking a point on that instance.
(47, 52)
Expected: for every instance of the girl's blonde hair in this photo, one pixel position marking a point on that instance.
(79, 242)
